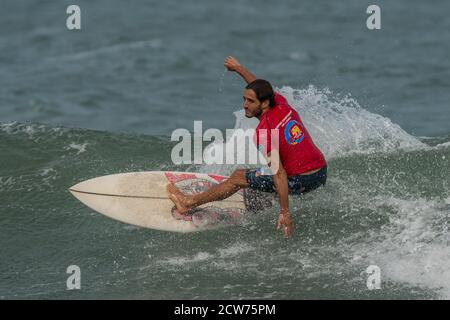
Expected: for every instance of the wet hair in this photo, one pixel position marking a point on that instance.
(263, 90)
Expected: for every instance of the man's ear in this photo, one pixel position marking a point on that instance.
(265, 104)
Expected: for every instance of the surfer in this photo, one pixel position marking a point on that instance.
(300, 165)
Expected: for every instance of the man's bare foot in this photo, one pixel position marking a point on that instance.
(181, 201)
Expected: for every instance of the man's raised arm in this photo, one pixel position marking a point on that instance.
(232, 64)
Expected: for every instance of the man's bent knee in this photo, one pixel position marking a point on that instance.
(238, 178)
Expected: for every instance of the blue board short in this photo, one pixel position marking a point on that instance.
(298, 184)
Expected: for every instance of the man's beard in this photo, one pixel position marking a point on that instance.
(257, 114)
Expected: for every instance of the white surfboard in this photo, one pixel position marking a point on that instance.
(140, 198)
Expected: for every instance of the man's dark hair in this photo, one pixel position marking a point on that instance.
(263, 90)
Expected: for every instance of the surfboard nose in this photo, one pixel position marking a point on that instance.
(76, 186)
(93, 185)
(77, 189)
(82, 187)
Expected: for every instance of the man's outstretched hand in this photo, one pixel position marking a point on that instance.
(231, 63)
(285, 223)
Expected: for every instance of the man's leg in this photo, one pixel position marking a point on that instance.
(221, 191)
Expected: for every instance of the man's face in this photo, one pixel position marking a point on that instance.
(252, 106)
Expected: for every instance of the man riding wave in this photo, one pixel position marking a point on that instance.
(297, 165)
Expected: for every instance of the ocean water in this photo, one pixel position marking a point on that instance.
(79, 104)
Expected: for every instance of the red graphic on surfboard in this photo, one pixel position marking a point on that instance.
(206, 216)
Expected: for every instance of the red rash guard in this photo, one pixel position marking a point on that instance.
(298, 153)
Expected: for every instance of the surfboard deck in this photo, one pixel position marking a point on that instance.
(140, 198)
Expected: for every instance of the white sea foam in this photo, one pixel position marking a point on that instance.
(234, 250)
(6, 181)
(339, 125)
(79, 147)
(443, 145)
(15, 127)
(33, 131)
(219, 257)
(46, 171)
(8, 127)
(180, 261)
(414, 248)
